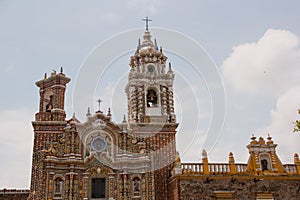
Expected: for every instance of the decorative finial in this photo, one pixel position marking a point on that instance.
(45, 76)
(73, 115)
(231, 158)
(204, 153)
(177, 159)
(170, 67)
(269, 138)
(108, 113)
(124, 119)
(88, 112)
(61, 70)
(155, 44)
(296, 158)
(53, 72)
(253, 140)
(261, 140)
(160, 49)
(139, 43)
(99, 103)
(147, 20)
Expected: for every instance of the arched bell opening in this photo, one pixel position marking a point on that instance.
(48, 101)
(265, 162)
(152, 98)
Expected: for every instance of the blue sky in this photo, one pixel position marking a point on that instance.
(254, 44)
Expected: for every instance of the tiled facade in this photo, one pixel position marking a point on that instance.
(99, 159)
(136, 159)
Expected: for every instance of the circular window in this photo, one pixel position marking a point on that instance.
(98, 144)
(151, 68)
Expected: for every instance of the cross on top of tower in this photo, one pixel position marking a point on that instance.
(99, 103)
(147, 20)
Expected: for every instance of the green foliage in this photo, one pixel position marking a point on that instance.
(297, 124)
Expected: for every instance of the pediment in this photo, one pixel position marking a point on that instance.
(99, 137)
(94, 166)
(99, 121)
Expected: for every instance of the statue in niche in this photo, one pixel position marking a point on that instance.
(58, 184)
(136, 185)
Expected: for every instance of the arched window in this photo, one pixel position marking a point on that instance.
(151, 98)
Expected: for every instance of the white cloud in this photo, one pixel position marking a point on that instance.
(281, 125)
(267, 67)
(15, 148)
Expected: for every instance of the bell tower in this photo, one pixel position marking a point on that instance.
(48, 128)
(151, 117)
(150, 86)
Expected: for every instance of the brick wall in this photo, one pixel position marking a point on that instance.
(173, 189)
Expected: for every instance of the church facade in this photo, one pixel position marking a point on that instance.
(137, 159)
(99, 159)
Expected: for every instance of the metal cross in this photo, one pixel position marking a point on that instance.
(147, 20)
(99, 102)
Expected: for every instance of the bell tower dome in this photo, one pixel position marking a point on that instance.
(150, 86)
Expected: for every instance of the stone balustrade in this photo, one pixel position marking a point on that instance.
(226, 168)
(14, 191)
(290, 168)
(13, 194)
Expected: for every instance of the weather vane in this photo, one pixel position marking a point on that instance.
(147, 20)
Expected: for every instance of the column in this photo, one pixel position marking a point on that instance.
(111, 183)
(85, 185)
